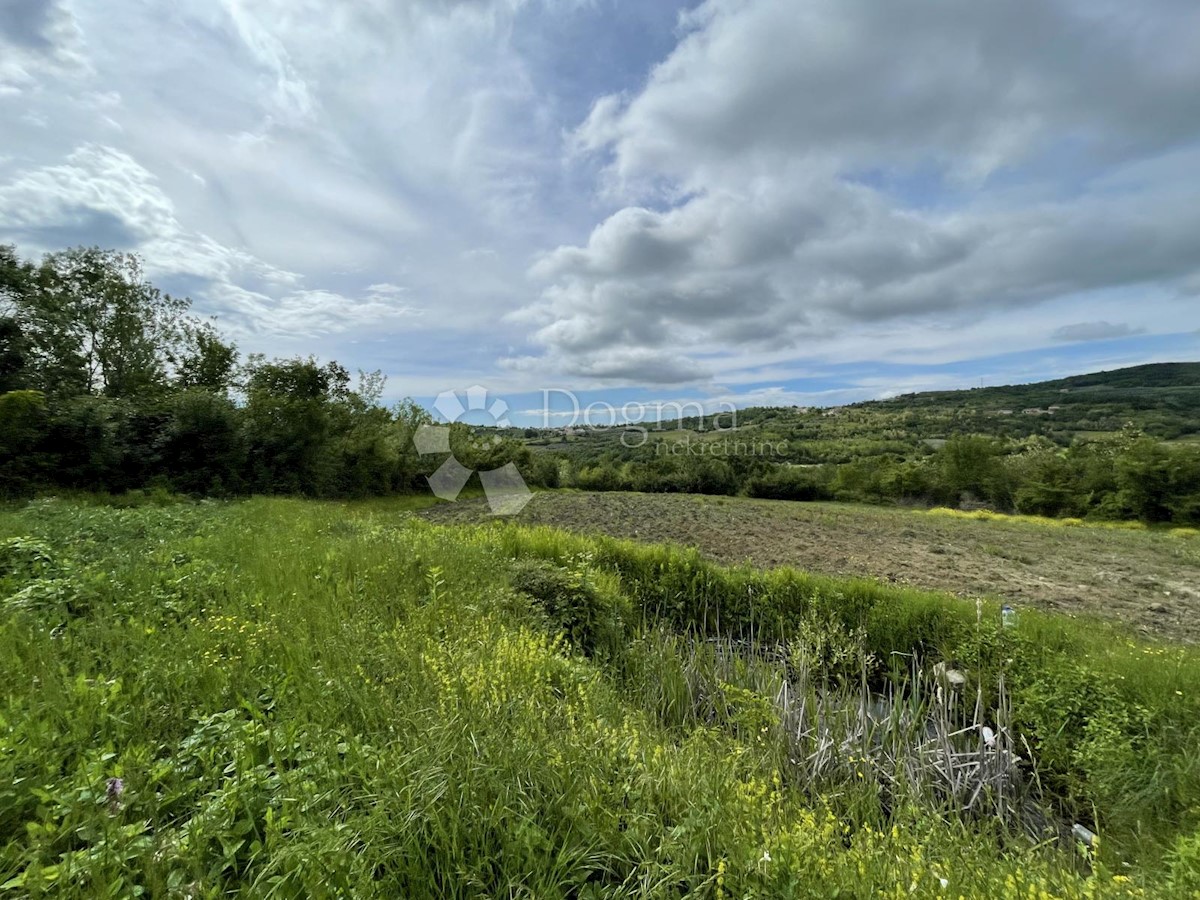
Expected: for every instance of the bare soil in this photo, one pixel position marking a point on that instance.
(1148, 579)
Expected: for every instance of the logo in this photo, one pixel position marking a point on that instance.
(504, 488)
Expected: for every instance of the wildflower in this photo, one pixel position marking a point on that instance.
(113, 789)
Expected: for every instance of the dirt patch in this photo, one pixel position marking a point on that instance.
(1148, 579)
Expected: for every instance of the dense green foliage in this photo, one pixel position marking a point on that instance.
(107, 384)
(304, 699)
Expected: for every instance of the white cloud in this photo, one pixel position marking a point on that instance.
(98, 184)
(789, 164)
(793, 184)
(38, 38)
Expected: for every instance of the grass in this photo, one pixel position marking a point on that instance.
(987, 515)
(326, 700)
(1144, 577)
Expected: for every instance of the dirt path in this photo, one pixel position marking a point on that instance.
(1148, 579)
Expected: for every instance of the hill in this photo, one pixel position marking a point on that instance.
(1161, 399)
(1110, 445)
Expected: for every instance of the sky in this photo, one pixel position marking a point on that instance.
(748, 202)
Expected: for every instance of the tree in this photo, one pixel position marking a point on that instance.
(206, 361)
(95, 325)
(288, 422)
(12, 355)
(970, 464)
(15, 278)
(203, 450)
(22, 428)
(1144, 477)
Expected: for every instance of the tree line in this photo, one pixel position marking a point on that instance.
(109, 384)
(1120, 477)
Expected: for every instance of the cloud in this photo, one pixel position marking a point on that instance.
(1094, 331)
(93, 180)
(978, 86)
(793, 264)
(99, 192)
(550, 194)
(37, 37)
(800, 172)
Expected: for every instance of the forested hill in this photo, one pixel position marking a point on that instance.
(1155, 375)
(1160, 383)
(1161, 400)
(1111, 445)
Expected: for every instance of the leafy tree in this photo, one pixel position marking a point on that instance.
(970, 465)
(206, 361)
(12, 355)
(203, 449)
(407, 417)
(95, 325)
(15, 280)
(288, 423)
(1145, 479)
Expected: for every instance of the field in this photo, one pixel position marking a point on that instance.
(1147, 578)
(286, 698)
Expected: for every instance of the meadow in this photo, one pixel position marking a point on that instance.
(282, 698)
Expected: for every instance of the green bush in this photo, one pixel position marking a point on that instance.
(590, 616)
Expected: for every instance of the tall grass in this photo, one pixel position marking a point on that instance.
(304, 699)
(1113, 722)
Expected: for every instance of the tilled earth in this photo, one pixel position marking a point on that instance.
(1148, 579)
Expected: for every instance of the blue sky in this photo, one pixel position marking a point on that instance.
(727, 201)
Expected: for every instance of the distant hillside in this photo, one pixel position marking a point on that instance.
(1164, 380)
(1155, 375)
(1069, 447)
(1162, 399)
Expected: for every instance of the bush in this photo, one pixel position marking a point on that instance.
(787, 483)
(591, 617)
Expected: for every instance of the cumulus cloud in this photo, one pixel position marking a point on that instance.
(789, 266)
(977, 85)
(798, 169)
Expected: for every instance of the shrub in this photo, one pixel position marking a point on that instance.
(575, 602)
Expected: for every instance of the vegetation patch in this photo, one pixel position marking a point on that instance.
(282, 697)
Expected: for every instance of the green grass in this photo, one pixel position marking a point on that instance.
(325, 700)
